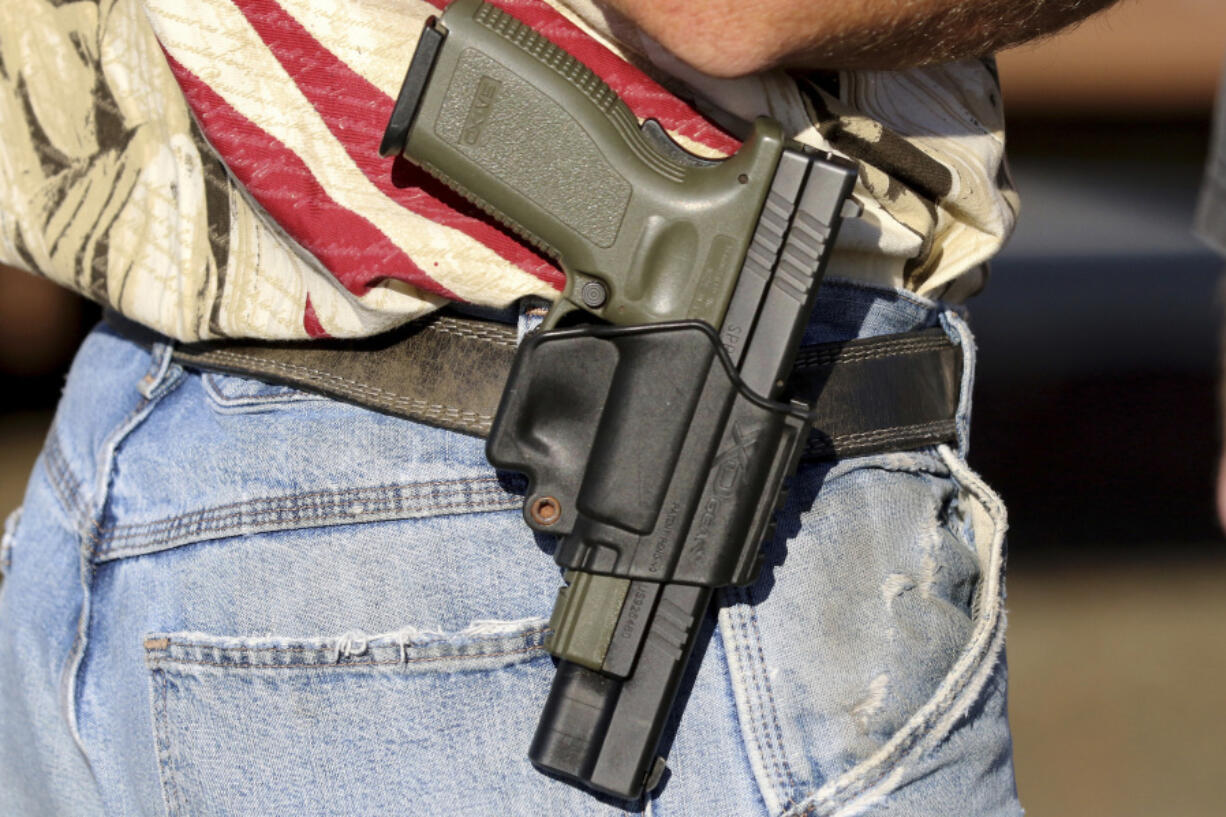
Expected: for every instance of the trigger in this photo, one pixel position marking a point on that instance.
(664, 143)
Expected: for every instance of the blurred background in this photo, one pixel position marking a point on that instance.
(1095, 418)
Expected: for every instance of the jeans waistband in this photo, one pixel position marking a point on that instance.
(880, 370)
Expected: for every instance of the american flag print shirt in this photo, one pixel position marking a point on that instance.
(210, 168)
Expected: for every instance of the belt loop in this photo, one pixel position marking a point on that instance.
(162, 373)
(955, 325)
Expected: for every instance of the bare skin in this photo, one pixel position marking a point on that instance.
(728, 38)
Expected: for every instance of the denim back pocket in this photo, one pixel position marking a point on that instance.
(316, 609)
(355, 725)
(302, 607)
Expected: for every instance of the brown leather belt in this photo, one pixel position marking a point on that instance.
(887, 393)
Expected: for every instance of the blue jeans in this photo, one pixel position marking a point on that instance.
(225, 597)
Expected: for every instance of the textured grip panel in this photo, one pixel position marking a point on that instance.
(585, 81)
(522, 137)
(578, 74)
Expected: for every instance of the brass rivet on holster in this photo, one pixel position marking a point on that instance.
(545, 511)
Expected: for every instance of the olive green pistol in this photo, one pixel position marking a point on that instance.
(649, 412)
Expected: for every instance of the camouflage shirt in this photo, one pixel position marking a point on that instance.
(210, 168)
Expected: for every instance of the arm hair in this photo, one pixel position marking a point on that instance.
(729, 38)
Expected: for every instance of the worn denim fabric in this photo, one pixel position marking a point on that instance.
(231, 598)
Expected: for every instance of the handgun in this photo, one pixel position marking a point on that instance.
(649, 412)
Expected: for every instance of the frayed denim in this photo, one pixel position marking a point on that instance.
(225, 597)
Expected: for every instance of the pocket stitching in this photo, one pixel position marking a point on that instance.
(780, 767)
(474, 643)
(161, 717)
(159, 655)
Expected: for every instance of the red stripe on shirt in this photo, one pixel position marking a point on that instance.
(352, 248)
(310, 321)
(356, 113)
(646, 97)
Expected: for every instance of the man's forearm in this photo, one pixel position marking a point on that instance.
(734, 37)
